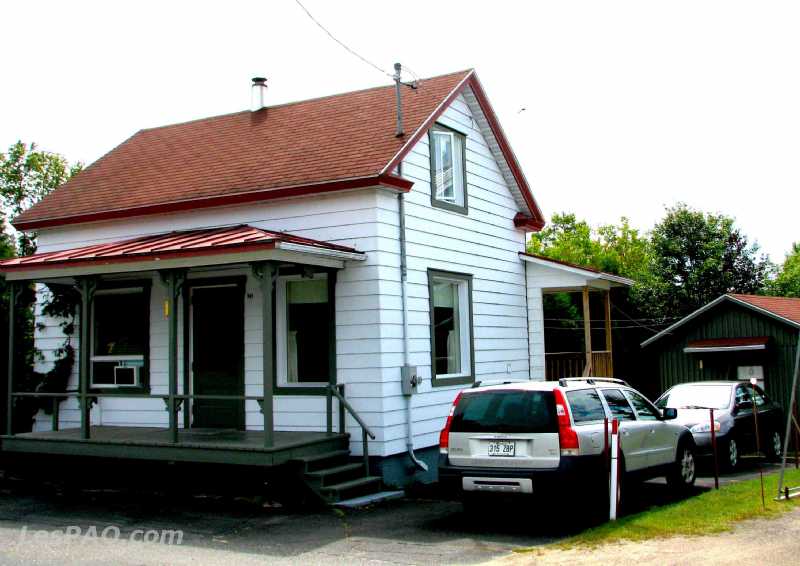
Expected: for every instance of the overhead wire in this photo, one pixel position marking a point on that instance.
(340, 42)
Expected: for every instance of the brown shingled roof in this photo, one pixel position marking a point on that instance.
(336, 142)
(784, 307)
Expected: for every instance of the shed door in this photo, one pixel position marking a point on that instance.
(218, 355)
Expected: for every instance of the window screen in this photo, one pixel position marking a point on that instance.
(308, 335)
(120, 324)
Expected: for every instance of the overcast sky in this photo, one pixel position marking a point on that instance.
(629, 106)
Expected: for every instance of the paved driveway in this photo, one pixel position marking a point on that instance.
(421, 529)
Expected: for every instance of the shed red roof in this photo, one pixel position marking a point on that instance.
(167, 246)
(332, 143)
(784, 307)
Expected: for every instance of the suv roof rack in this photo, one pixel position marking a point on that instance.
(564, 381)
(498, 382)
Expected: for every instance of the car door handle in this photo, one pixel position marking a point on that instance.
(625, 433)
(652, 431)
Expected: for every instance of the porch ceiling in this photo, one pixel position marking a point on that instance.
(190, 248)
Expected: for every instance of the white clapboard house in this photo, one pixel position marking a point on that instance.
(293, 285)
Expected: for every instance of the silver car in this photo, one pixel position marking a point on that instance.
(537, 438)
(734, 422)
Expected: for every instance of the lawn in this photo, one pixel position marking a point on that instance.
(710, 512)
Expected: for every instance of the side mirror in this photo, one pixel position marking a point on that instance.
(669, 413)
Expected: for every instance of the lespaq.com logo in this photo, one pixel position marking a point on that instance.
(93, 533)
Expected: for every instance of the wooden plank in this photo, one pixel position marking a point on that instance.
(609, 345)
(587, 332)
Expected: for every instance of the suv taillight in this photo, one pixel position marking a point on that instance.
(444, 436)
(567, 437)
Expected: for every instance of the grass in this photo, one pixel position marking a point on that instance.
(708, 513)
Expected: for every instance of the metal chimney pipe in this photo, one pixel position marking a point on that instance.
(258, 94)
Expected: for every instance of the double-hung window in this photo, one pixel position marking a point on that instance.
(451, 327)
(448, 169)
(303, 331)
(120, 328)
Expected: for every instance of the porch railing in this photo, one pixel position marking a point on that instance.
(88, 399)
(573, 364)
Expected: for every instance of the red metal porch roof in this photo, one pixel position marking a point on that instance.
(167, 246)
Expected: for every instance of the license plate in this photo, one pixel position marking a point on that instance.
(502, 448)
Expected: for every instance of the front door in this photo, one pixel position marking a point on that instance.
(218, 355)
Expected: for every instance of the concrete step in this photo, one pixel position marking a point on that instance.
(322, 461)
(336, 474)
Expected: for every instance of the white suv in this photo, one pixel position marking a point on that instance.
(529, 436)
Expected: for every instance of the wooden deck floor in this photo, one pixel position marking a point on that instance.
(201, 445)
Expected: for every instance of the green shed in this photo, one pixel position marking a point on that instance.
(733, 337)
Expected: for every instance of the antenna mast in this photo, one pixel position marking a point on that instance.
(398, 82)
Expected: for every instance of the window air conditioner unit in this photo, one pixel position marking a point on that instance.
(126, 375)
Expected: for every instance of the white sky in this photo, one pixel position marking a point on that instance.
(630, 106)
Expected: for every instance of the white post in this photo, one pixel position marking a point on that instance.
(612, 513)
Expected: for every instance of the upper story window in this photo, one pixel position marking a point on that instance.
(448, 169)
(120, 327)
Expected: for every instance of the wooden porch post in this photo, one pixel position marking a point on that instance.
(587, 332)
(265, 273)
(331, 349)
(13, 294)
(86, 288)
(609, 345)
(174, 280)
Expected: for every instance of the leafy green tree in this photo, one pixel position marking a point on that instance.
(27, 175)
(696, 257)
(615, 248)
(787, 280)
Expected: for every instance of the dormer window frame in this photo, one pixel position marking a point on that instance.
(458, 203)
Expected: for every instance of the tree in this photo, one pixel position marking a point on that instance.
(697, 257)
(614, 248)
(787, 280)
(27, 175)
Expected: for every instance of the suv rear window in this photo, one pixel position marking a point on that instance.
(586, 406)
(506, 411)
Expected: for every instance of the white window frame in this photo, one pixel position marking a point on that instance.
(122, 358)
(281, 336)
(463, 283)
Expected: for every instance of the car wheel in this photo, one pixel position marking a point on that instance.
(774, 446)
(684, 471)
(729, 455)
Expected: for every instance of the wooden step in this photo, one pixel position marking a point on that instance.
(336, 474)
(321, 461)
(351, 488)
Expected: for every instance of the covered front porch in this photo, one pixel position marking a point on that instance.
(184, 342)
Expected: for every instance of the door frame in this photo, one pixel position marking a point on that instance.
(238, 281)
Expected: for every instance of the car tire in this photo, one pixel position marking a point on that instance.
(729, 458)
(683, 474)
(774, 446)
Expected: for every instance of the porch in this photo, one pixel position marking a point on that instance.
(588, 350)
(234, 425)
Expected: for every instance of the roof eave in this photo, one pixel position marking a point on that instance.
(382, 180)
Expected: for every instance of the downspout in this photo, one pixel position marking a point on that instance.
(401, 209)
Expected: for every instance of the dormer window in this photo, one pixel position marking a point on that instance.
(448, 169)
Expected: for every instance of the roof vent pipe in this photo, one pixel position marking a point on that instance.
(258, 95)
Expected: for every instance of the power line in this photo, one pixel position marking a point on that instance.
(334, 38)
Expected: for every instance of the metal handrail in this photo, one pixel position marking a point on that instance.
(365, 431)
(351, 410)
